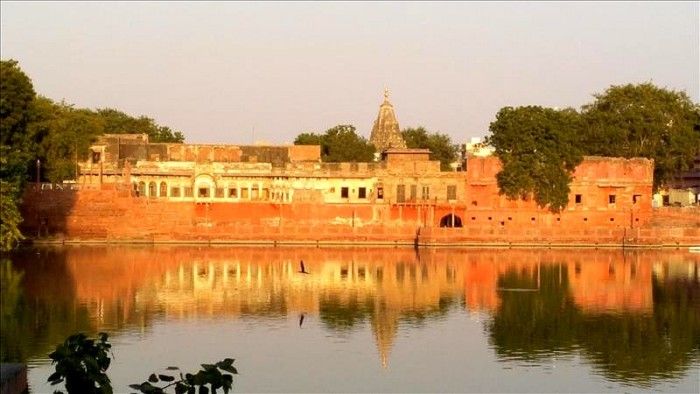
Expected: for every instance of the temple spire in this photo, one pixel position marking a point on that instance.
(385, 132)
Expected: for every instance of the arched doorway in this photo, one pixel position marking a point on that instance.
(451, 220)
(163, 189)
(152, 190)
(142, 189)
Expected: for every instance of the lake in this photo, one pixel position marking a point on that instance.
(364, 319)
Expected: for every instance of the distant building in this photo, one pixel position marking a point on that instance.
(683, 190)
(477, 147)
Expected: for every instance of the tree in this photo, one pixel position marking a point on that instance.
(441, 146)
(644, 121)
(16, 97)
(539, 150)
(10, 217)
(118, 122)
(339, 144)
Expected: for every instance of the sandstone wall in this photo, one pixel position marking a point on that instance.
(114, 215)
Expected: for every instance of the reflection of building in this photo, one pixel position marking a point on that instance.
(379, 287)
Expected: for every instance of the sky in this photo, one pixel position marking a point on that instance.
(265, 72)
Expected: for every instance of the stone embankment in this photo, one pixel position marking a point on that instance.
(114, 216)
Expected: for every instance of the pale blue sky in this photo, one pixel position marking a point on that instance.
(216, 70)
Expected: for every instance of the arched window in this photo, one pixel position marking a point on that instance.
(142, 189)
(451, 220)
(163, 189)
(152, 190)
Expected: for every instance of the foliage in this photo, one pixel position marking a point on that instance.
(339, 144)
(441, 146)
(644, 121)
(539, 151)
(65, 137)
(117, 122)
(10, 217)
(210, 375)
(81, 362)
(16, 97)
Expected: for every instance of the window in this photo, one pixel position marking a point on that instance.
(636, 198)
(233, 192)
(244, 193)
(163, 190)
(380, 192)
(95, 157)
(152, 189)
(188, 191)
(666, 200)
(426, 193)
(400, 193)
(414, 192)
(452, 192)
(203, 192)
(219, 192)
(578, 198)
(332, 190)
(611, 199)
(254, 193)
(344, 192)
(175, 191)
(362, 192)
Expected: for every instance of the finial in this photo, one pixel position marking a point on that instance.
(386, 93)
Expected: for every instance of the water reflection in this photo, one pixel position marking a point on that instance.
(634, 316)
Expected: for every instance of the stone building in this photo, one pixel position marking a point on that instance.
(404, 187)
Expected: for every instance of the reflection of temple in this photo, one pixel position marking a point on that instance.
(380, 287)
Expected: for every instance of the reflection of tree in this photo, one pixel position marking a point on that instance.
(10, 304)
(344, 314)
(647, 347)
(32, 325)
(632, 348)
(529, 324)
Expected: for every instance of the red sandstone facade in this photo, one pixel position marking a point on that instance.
(133, 190)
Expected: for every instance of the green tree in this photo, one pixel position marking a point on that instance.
(539, 149)
(10, 217)
(441, 146)
(339, 144)
(16, 97)
(644, 121)
(308, 139)
(118, 122)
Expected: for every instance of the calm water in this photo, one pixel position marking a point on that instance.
(374, 320)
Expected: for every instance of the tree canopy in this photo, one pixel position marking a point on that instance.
(339, 144)
(58, 134)
(441, 146)
(644, 121)
(16, 98)
(540, 147)
(539, 151)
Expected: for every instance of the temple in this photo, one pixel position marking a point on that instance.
(385, 132)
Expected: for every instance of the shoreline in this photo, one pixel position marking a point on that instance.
(362, 243)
